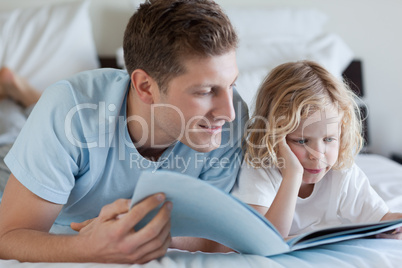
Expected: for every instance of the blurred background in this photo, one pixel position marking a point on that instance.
(368, 27)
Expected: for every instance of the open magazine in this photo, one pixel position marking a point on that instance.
(201, 210)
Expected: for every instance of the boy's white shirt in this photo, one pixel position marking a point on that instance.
(341, 197)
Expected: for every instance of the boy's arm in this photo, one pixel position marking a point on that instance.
(391, 216)
(282, 209)
(25, 220)
(395, 234)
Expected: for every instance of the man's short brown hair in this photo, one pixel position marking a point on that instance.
(162, 33)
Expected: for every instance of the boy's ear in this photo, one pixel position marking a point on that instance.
(144, 85)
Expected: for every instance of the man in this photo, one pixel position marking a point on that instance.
(88, 139)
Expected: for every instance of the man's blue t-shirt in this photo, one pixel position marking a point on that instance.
(75, 148)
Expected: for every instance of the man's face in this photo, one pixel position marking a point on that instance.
(196, 103)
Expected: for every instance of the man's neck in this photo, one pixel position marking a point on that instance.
(136, 131)
(151, 154)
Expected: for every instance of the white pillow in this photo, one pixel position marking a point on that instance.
(269, 37)
(252, 23)
(327, 49)
(268, 52)
(248, 83)
(47, 43)
(256, 59)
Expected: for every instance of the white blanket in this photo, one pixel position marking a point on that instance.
(356, 253)
(385, 176)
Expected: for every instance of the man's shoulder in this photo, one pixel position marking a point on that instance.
(99, 82)
(84, 101)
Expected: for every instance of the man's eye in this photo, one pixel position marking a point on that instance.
(206, 93)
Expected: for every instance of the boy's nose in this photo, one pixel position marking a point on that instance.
(315, 152)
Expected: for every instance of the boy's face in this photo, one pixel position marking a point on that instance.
(316, 143)
(197, 103)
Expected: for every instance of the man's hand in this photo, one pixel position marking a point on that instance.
(111, 236)
(25, 221)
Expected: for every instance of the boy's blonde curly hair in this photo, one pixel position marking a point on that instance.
(290, 93)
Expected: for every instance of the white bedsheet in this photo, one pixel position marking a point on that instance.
(356, 253)
(385, 176)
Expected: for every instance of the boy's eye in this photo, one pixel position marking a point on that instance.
(328, 139)
(301, 141)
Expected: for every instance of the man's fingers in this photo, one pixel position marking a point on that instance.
(77, 226)
(157, 253)
(111, 211)
(156, 236)
(157, 228)
(138, 211)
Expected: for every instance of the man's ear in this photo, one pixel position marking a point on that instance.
(144, 85)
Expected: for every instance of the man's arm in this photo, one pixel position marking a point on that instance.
(25, 220)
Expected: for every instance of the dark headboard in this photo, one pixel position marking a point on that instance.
(108, 62)
(354, 75)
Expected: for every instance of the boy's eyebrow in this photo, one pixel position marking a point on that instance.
(300, 134)
(294, 135)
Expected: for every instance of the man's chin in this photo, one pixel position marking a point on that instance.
(203, 145)
(203, 148)
(206, 149)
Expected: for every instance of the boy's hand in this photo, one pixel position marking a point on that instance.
(394, 234)
(292, 167)
(111, 236)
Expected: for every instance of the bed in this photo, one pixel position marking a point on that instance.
(300, 36)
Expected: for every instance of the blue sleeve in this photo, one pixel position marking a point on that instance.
(42, 158)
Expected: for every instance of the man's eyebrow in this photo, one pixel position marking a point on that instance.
(199, 86)
(208, 85)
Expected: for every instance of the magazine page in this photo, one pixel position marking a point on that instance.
(201, 210)
(341, 233)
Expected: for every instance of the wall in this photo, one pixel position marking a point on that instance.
(369, 27)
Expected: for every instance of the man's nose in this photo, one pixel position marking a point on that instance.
(224, 108)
